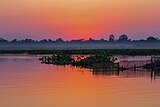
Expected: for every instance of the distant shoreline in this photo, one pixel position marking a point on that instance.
(131, 52)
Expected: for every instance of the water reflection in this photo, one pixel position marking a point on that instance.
(125, 61)
(128, 73)
(19, 57)
(32, 84)
(135, 66)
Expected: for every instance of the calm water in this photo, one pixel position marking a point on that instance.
(24, 82)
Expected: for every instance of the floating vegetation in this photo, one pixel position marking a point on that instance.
(99, 62)
(94, 59)
(85, 62)
(57, 59)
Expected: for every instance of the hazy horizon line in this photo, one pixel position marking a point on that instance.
(49, 38)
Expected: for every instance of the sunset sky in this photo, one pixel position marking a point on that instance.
(76, 19)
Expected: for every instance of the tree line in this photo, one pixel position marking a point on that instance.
(122, 39)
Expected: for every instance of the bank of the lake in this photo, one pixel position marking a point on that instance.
(132, 52)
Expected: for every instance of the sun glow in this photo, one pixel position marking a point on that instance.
(79, 18)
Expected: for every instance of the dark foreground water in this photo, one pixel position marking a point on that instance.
(24, 82)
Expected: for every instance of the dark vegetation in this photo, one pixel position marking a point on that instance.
(132, 52)
(57, 59)
(123, 38)
(111, 46)
(94, 59)
(88, 62)
(123, 42)
(97, 62)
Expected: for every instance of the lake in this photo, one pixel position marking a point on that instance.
(25, 82)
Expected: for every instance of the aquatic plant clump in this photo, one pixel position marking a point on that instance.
(88, 62)
(94, 59)
(57, 59)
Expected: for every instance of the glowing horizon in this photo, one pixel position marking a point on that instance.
(76, 19)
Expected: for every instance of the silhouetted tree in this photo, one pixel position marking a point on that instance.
(152, 39)
(82, 40)
(123, 38)
(43, 41)
(3, 40)
(101, 40)
(90, 39)
(77, 41)
(14, 41)
(59, 40)
(50, 41)
(28, 41)
(111, 38)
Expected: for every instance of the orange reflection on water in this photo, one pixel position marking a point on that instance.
(27, 83)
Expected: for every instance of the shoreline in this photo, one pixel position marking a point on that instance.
(131, 52)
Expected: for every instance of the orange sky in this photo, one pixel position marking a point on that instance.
(73, 19)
